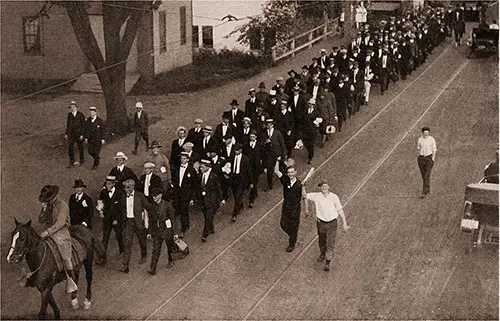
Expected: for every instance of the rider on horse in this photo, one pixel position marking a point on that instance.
(55, 217)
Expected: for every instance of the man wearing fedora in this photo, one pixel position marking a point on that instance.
(240, 178)
(56, 221)
(236, 114)
(141, 126)
(195, 136)
(210, 196)
(120, 171)
(262, 95)
(274, 149)
(176, 149)
(75, 131)
(162, 165)
(208, 141)
(290, 82)
(251, 104)
(81, 207)
(94, 136)
(253, 150)
(223, 129)
(184, 181)
(111, 208)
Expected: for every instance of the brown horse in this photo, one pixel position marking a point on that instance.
(44, 274)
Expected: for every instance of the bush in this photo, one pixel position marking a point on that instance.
(228, 58)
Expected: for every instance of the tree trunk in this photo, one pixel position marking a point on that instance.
(113, 88)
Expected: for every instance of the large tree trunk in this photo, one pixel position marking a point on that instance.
(113, 88)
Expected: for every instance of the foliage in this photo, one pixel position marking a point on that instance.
(228, 58)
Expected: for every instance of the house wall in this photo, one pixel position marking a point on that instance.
(62, 57)
(209, 13)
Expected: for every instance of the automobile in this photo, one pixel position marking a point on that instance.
(480, 218)
(483, 39)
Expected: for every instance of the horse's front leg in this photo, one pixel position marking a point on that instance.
(43, 305)
(87, 263)
(74, 294)
(53, 305)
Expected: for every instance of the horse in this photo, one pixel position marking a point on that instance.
(44, 275)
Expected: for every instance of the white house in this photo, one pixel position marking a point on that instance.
(211, 24)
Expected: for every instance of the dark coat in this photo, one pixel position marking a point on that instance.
(211, 145)
(241, 137)
(285, 123)
(81, 211)
(175, 153)
(292, 196)
(94, 131)
(210, 194)
(140, 204)
(113, 207)
(245, 176)
(276, 146)
(186, 191)
(155, 182)
(141, 124)
(255, 157)
(238, 120)
(196, 138)
(250, 108)
(231, 130)
(158, 215)
(122, 176)
(342, 98)
(75, 125)
(224, 155)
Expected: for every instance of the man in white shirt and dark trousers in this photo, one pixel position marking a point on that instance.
(328, 209)
(241, 177)
(426, 147)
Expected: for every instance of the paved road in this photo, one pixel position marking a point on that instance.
(403, 257)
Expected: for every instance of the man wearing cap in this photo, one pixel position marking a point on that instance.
(310, 127)
(305, 76)
(208, 141)
(135, 222)
(240, 178)
(193, 157)
(253, 150)
(285, 123)
(279, 83)
(75, 130)
(176, 149)
(223, 129)
(272, 106)
(274, 149)
(162, 165)
(210, 196)
(161, 222)
(81, 207)
(148, 180)
(195, 136)
(262, 95)
(94, 136)
(244, 131)
(184, 181)
(281, 95)
(111, 208)
(55, 219)
(251, 104)
(328, 209)
(120, 171)
(141, 126)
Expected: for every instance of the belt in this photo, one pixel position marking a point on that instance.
(326, 221)
(430, 155)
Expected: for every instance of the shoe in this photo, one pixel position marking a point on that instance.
(382, 94)
(309, 161)
(152, 272)
(142, 260)
(290, 248)
(250, 205)
(327, 266)
(321, 258)
(233, 219)
(134, 152)
(93, 168)
(70, 164)
(203, 239)
(76, 164)
(422, 195)
(212, 232)
(170, 264)
(123, 269)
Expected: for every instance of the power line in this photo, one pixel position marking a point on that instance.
(150, 10)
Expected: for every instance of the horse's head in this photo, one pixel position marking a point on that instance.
(21, 241)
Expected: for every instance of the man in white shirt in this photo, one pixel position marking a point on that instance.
(328, 209)
(426, 147)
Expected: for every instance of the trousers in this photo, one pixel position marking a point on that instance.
(327, 232)
(131, 228)
(425, 164)
(71, 148)
(157, 243)
(106, 232)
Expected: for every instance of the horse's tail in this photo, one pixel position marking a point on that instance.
(98, 247)
(87, 238)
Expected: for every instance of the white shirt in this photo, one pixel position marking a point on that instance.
(120, 168)
(181, 173)
(78, 196)
(237, 162)
(384, 61)
(181, 141)
(355, 72)
(130, 206)
(315, 91)
(93, 119)
(205, 176)
(228, 149)
(205, 141)
(139, 113)
(252, 144)
(224, 129)
(74, 113)
(327, 207)
(246, 130)
(111, 192)
(270, 132)
(147, 182)
(295, 99)
(426, 146)
(215, 159)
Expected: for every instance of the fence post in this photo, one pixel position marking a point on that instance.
(310, 38)
(273, 53)
(325, 28)
(293, 47)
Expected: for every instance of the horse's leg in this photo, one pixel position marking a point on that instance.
(43, 305)
(74, 294)
(53, 305)
(87, 263)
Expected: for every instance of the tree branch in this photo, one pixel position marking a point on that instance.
(129, 34)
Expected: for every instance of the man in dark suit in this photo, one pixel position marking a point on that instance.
(223, 129)
(148, 181)
(315, 89)
(310, 129)
(208, 141)
(135, 222)
(81, 207)
(162, 222)
(358, 82)
(141, 127)
(262, 95)
(343, 61)
(111, 207)
(236, 114)
(285, 123)
(184, 180)
(253, 150)
(342, 93)
(251, 104)
(94, 136)
(298, 106)
(193, 157)
(273, 104)
(385, 67)
(75, 131)
(210, 196)
(290, 82)
(458, 24)
(176, 148)
(240, 178)
(195, 136)
(274, 149)
(244, 131)
(120, 171)
(226, 156)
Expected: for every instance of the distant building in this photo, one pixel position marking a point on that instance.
(47, 48)
(210, 31)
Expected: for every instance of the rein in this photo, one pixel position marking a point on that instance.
(43, 258)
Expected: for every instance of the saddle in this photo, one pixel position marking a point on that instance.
(78, 252)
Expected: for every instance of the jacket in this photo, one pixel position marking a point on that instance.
(159, 215)
(75, 125)
(56, 222)
(81, 211)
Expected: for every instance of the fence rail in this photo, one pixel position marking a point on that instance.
(305, 40)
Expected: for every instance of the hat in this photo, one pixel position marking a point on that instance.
(93, 108)
(262, 85)
(322, 182)
(335, 48)
(234, 102)
(72, 103)
(185, 154)
(149, 165)
(180, 128)
(251, 90)
(253, 132)
(155, 191)
(247, 119)
(343, 50)
(79, 183)
(238, 146)
(305, 67)
(312, 101)
(291, 71)
(269, 120)
(188, 144)
(226, 115)
(120, 155)
(206, 161)
(296, 87)
(323, 50)
(272, 92)
(129, 182)
(279, 78)
(227, 136)
(155, 144)
(284, 102)
(138, 105)
(48, 192)
(198, 121)
(207, 129)
(110, 178)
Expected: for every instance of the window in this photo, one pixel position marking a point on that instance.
(182, 12)
(32, 36)
(163, 31)
(196, 37)
(207, 36)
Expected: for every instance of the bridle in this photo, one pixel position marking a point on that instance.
(31, 273)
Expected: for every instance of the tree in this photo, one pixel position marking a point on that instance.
(121, 20)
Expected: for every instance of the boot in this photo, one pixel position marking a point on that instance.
(71, 285)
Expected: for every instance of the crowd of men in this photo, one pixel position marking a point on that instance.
(206, 165)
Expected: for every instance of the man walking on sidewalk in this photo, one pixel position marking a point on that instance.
(328, 209)
(426, 147)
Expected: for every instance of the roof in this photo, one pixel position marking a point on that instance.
(384, 6)
(484, 193)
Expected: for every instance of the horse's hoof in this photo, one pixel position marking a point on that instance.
(86, 304)
(74, 304)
